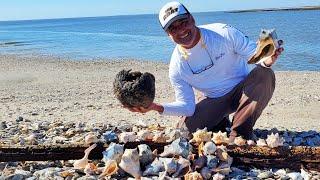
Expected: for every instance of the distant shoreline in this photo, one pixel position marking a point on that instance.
(277, 9)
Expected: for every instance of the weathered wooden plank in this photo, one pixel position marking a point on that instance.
(261, 157)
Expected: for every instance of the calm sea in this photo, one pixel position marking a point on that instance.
(141, 37)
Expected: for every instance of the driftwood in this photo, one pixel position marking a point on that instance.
(253, 156)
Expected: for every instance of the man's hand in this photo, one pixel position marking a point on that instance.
(270, 61)
(153, 106)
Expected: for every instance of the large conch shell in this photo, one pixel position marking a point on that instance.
(201, 135)
(113, 152)
(209, 148)
(183, 167)
(145, 135)
(82, 163)
(179, 147)
(90, 169)
(274, 140)
(267, 46)
(170, 165)
(261, 142)
(239, 141)
(220, 138)
(125, 137)
(110, 168)
(159, 137)
(145, 155)
(193, 176)
(90, 138)
(130, 163)
(154, 168)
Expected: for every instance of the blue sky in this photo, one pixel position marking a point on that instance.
(45, 9)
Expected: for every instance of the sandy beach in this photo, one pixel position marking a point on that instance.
(47, 89)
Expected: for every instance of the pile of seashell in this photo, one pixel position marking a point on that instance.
(178, 160)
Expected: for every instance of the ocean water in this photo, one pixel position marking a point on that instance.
(141, 37)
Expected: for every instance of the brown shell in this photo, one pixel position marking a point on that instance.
(134, 89)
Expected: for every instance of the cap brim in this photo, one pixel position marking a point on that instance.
(181, 16)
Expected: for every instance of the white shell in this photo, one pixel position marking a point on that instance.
(218, 176)
(220, 138)
(82, 163)
(130, 162)
(295, 176)
(274, 140)
(145, 135)
(305, 175)
(125, 137)
(251, 142)
(239, 141)
(209, 148)
(261, 142)
(90, 138)
(201, 135)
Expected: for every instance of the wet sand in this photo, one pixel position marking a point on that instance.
(47, 89)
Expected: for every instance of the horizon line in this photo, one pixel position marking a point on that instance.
(227, 11)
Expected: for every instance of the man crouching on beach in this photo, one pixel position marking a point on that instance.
(213, 59)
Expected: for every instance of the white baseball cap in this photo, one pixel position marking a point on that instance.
(171, 12)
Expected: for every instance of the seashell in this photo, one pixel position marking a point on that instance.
(183, 167)
(145, 135)
(267, 46)
(212, 161)
(32, 139)
(295, 176)
(113, 152)
(281, 172)
(130, 162)
(110, 136)
(179, 147)
(193, 176)
(274, 140)
(265, 175)
(170, 165)
(134, 89)
(218, 176)
(90, 169)
(155, 127)
(224, 167)
(261, 142)
(220, 138)
(90, 138)
(199, 163)
(239, 141)
(159, 137)
(125, 137)
(82, 163)
(209, 148)
(154, 168)
(305, 175)
(110, 168)
(251, 142)
(206, 173)
(173, 134)
(201, 135)
(145, 155)
(222, 153)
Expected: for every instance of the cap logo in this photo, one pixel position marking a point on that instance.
(169, 11)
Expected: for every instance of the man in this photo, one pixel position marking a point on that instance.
(213, 60)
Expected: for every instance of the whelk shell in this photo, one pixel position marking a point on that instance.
(130, 162)
(82, 163)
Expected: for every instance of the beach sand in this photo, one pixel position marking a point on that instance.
(48, 88)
